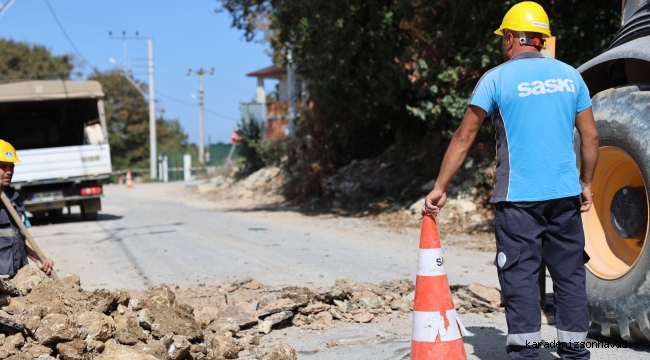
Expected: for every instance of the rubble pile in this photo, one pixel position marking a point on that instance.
(45, 319)
(249, 305)
(261, 188)
(476, 298)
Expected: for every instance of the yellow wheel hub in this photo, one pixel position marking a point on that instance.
(612, 256)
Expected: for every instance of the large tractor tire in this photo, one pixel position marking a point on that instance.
(616, 228)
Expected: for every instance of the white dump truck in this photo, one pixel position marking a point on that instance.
(59, 131)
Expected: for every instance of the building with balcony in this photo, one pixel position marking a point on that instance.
(272, 114)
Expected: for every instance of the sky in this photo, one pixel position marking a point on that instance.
(186, 35)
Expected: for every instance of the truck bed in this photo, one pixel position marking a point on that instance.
(59, 163)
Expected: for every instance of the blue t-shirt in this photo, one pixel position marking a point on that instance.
(533, 102)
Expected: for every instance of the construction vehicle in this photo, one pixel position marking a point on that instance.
(617, 228)
(59, 131)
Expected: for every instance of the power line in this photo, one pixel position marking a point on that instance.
(163, 95)
(56, 18)
(176, 100)
(219, 115)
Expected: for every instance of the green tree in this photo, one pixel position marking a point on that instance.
(385, 71)
(21, 61)
(127, 117)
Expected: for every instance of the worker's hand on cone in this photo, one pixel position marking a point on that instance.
(587, 198)
(46, 266)
(434, 202)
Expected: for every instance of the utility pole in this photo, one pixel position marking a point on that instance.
(200, 73)
(294, 92)
(153, 147)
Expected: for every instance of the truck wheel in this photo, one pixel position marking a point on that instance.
(616, 228)
(88, 216)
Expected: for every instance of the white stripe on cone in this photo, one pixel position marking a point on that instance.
(427, 326)
(431, 262)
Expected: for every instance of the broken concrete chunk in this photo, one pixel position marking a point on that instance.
(71, 280)
(123, 353)
(324, 317)
(314, 308)
(335, 313)
(241, 316)
(11, 321)
(8, 289)
(14, 342)
(94, 325)
(280, 351)
(162, 314)
(36, 350)
(154, 348)
(300, 295)
(401, 305)
(27, 277)
(72, 350)
(178, 348)
(484, 293)
(221, 346)
(363, 317)
(224, 328)
(368, 299)
(56, 328)
(103, 301)
(277, 306)
(329, 295)
(135, 305)
(5, 299)
(252, 285)
(279, 317)
(265, 326)
(94, 347)
(128, 330)
(207, 314)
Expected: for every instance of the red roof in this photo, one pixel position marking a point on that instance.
(271, 71)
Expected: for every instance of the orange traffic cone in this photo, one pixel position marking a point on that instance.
(129, 180)
(119, 180)
(437, 329)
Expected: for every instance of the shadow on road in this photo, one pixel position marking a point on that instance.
(69, 218)
(489, 343)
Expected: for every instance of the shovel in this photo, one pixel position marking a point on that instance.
(25, 232)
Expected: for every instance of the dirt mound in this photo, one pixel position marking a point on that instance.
(259, 189)
(58, 319)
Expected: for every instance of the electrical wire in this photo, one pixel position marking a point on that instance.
(76, 50)
(163, 95)
(65, 33)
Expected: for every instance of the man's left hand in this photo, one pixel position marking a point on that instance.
(434, 202)
(46, 266)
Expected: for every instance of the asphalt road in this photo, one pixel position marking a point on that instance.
(165, 233)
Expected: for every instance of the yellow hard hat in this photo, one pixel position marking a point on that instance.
(7, 152)
(526, 16)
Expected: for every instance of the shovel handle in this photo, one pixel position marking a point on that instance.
(19, 221)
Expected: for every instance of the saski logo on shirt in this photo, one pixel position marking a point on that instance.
(545, 87)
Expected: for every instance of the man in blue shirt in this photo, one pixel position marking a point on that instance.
(535, 103)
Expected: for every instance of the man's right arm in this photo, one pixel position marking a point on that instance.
(586, 127)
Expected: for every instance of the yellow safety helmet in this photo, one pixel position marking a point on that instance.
(526, 16)
(7, 152)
